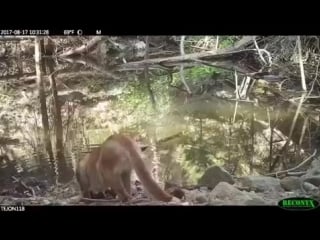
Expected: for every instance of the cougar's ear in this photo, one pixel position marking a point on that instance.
(143, 148)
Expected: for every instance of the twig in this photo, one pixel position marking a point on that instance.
(182, 45)
(170, 138)
(181, 66)
(294, 121)
(217, 43)
(173, 61)
(29, 188)
(236, 83)
(303, 77)
(298, 98)
(92, 65)
(315, 79)
(25, 185)
(268, 54)
(294, 168)
(258, 49)
(244, 87)
(303, 130)
(160, 53)
(296, 173)
(237, 96)
(202, 48)
(235, 112)
(241, 100)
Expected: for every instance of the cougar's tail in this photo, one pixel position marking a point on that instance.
(144, 175)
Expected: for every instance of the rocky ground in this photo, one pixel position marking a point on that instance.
(216, 187)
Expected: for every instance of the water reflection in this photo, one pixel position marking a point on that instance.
(207, 135)
(187, 133)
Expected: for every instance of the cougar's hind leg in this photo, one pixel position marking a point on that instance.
(119, 188)
(126, 180)
(86, 194)
(83, 184)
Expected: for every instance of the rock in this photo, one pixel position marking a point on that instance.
(314, 169)
(190, 195)
(232, 196)
(196, 196)
(201, 198)
(225, 191)
(308, 187)
(261, 183)
(289, 194)
(311, 190)
(315, 180)
(255, 202)
(290, 183)
(176, 192)
(215, 175)
(204, 189)
(139, 45)
(46, 202)
(74, 200)
(218, 202)
(313, 172)
(315, 163)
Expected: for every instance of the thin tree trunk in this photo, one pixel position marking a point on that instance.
(252, 140)
(147, 78)
(42, 98)
(56, 111)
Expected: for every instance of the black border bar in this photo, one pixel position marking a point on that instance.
(156, 28)
(141, 211)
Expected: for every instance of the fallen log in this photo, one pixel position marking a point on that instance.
(212, 58)
(84, 48)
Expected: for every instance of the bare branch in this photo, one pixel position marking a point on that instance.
(84, 48)
(259, 52)
(236, 83)
(296, 167)
(181, 66)
(217, 43)
(303, 78)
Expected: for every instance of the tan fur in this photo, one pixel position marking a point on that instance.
(110, 166)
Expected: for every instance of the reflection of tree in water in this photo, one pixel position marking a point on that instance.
(8, 167)
(241, 147)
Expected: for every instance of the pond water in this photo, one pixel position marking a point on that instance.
(185, 134)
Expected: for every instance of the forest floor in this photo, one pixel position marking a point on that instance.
(254, 190)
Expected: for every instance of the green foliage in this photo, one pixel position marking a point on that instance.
(209, 42)
(196, 74)
(97, 136)
(137, 97)
(227, 41)
(6, 94)
(94, 87)
(200, 72)
(191, 172)
(199, 156)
